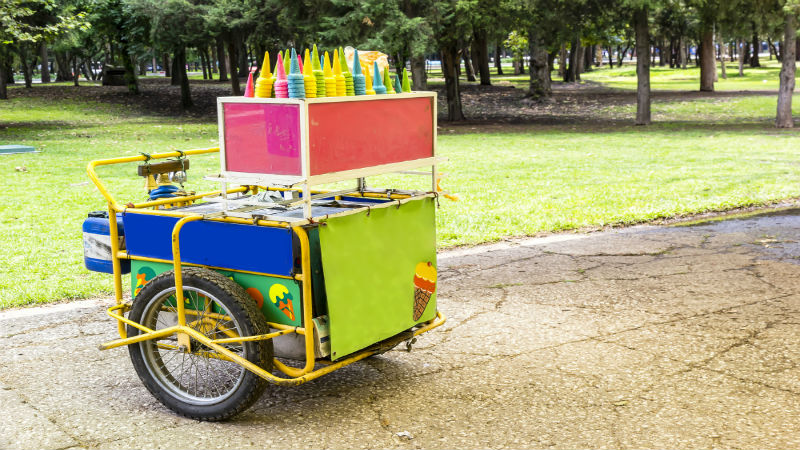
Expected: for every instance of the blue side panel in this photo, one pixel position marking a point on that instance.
(217, 244)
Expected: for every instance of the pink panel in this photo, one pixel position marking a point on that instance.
(262, 138)
(357, 134)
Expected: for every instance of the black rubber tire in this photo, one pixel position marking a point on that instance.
(240, 308)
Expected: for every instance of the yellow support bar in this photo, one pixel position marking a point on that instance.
(308, 324)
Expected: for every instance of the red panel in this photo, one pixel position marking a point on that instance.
(262, 138)
(356, 134)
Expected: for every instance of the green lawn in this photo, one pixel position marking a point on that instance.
(715, 153)
(664, 78)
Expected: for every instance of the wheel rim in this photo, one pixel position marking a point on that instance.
(202, 376)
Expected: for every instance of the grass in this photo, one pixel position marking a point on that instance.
(664, 78)
(708, 154)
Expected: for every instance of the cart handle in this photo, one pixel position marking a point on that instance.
(90, 168)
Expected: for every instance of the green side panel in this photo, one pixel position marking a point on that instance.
(369, 263)
(279, 298)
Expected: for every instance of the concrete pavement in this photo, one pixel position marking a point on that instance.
(647, 337)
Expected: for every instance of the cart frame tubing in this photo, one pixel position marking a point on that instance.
(184, 332)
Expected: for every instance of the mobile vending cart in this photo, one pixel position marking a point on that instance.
(269, 279)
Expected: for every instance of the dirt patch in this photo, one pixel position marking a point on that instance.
(501, 106)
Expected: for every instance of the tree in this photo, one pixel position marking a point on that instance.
(783, 118)
(26, 23)
(175, 25)
(641, 26)
(450, 22)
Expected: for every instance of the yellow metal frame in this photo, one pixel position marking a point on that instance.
(294, 375)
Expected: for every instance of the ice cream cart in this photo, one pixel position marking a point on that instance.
(270, 279)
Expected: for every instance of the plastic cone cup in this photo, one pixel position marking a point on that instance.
(359, 79)
(368, 82)
(308, 77)
(318, 74)
(265, 80)
(398, 89)
(387, 81)
(295, 79)
(341, 88)
(249, 89)
(406, 81)
(377, 83)
(281, 86)
(330, 81)
(348, 77)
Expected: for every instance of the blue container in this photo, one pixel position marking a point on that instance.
(97, 243)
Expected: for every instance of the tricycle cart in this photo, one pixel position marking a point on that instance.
(269, 279)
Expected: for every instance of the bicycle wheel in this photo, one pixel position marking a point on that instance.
(200, 382)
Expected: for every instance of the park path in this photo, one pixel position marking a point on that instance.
(647, 337)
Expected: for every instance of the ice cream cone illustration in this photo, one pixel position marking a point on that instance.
(424, 287)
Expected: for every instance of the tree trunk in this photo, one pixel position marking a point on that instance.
(213, 60)
(551, 58)
(684, 53)
(221, 60)
(723, 52)
(573, 73)
(788, 68)
(130, 70)
(746, 51)
(3, 74)
(45, 63)
(76, 77)
(497, 63)
(202, 54)
(23, 53)
(183, 77)
(741, 58)
(642, 30)
(419, 77)
(562, 61)
(449, 61)
(62, 67)
(166, 64)
(244, 70)
(468, 65)
(175, 79)
(539, 86)
(756, 48)
(480, 56)
(85, 70)
(610, 57)
(772, 49)
(588, 54)
(233, 56)
(708, 64)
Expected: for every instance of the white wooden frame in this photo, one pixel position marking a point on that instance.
(305, 180)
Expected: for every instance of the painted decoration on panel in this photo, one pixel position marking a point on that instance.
(262, 138)
(278, 298)
(357, 134)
